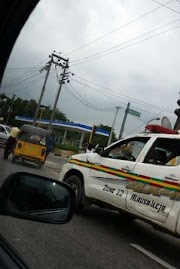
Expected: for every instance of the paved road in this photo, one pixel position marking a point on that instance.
(51, 168)
(95, 239)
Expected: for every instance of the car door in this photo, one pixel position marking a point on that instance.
(110, 172)
(156, 181)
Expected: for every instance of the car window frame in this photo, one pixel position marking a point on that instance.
(153, 146)
(125, 141)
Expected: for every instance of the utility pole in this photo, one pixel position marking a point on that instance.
(10, 109)
(112, 128)
(47, 67)
(124, 121)
(61, 82)
(92, 133)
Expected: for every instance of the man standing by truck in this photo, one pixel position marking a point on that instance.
(11, 142)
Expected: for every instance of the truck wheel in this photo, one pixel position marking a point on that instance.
(76, 184)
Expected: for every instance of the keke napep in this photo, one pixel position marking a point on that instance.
(31, 145)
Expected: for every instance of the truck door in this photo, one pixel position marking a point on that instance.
(110, 173)
(156, 181)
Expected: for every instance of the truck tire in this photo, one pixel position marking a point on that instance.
(75, 182)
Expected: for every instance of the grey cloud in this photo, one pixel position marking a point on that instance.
(148, 71)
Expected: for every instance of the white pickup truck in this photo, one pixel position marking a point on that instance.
(139, 175)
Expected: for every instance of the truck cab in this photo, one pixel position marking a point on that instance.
(139, 175)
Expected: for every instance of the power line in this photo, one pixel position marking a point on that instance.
(142, 124)
(25, 84)
(110, 97)
(136, 128)
(99, 109)
(19, 68)
(120, 95)
(31, 84)
(117, 29)
(99, 53)
(165, 5)
(92, 106)
(130, 45)
(26, 73)
(83, 101)
(95, 89)
(23, 81)
(14, 81)
(72, 94)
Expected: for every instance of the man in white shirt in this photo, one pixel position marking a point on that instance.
(11, 142)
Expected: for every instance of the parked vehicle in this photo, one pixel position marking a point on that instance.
(31, 145)
(139, 175)
(4, 134)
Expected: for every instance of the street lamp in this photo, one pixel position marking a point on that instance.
(152, 120)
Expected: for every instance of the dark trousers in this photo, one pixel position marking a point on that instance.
(47, 153)
(9, 147)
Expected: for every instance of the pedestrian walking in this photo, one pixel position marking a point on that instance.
(50, 143)
(11, 142)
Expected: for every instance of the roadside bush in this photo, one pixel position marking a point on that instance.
(66, 147)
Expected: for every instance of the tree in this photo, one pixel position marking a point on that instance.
(57, 116)
(25, 108)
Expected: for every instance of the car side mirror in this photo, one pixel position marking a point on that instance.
(99, 149)
(28, 196)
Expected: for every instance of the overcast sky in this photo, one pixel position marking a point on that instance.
(146, 73)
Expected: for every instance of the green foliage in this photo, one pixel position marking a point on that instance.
(25, 108)
(46, 114)
(99, 139)
(66, 147)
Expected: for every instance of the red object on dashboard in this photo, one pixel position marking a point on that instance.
(160, 129)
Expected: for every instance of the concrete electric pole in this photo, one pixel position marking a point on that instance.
(10, 109)
(47, 68)
(112, 128)
(124, 121)
(56, 60)
(61, 82)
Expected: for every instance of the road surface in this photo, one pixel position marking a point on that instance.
(97, 238)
